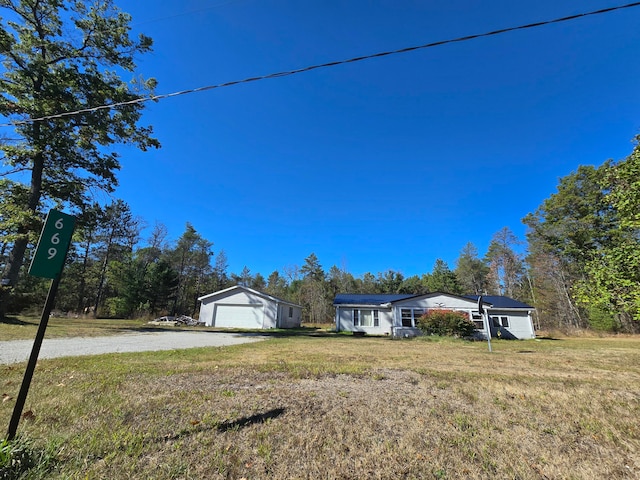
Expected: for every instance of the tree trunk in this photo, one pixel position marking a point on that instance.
(81, 305)
(103, 274)
(16, 257)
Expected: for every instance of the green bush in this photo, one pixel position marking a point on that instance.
(447, 323)
(600, 319)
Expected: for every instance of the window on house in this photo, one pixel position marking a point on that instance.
(366, 318)
(500, 321)
(405, 313)
(477, 320)
(290, 312)
(410, 316)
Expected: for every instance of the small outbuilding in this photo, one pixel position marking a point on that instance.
(398, 314)
(244, 307)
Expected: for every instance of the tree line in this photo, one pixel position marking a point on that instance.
(580, 267)
(110, 272)
(584, 248)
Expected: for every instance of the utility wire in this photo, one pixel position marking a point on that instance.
(323, 65)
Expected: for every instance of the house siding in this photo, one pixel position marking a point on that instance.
(344, 320)
(520, 324)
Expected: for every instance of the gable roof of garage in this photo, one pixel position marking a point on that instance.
(249, 290)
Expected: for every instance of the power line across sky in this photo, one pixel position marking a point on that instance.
(384, 164)
(328, 64)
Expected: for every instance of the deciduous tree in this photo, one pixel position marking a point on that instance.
(565, 234)
(505, 265)
(612, 273)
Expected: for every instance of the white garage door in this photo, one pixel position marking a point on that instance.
(239, 316)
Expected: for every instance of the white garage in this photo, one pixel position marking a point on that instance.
(243, 307)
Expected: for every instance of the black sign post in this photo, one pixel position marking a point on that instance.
(48, 261)
(33, 359)
(485, 321)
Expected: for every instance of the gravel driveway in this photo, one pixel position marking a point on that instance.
(19, 350)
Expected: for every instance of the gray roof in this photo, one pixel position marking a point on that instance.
(496, 301)
(368, 298)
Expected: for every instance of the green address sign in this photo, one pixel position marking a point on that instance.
(53, 245)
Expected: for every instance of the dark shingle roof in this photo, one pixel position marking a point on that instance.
(368, 299)
(498, 301)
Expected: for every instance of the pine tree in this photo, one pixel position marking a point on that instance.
(60, 56)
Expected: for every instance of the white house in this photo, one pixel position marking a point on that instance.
(397, 314)
(243, 307)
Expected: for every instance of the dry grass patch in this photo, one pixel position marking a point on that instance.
(24, 328)
(342, 407)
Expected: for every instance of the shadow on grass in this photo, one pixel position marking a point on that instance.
(253, 419)
(276, 332)
(227, 426)
(300, 332)
(15, 321)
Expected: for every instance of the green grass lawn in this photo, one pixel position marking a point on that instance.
(335, 406)
(24, 328)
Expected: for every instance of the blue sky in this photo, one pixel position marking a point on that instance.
(383, 164)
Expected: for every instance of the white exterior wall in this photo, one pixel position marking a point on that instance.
(270, 314)
(520, 323)
(445, 302)
(344, 319)
(290, 322)
(206, 313)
